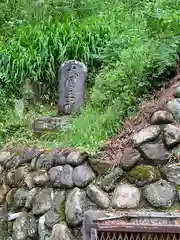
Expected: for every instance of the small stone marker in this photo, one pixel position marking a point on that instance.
(72, 78)
(50, 124)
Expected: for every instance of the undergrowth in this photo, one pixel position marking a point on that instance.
(129, 46)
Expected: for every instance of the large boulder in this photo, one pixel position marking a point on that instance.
(129, 158)
(173, 106)
(61, 176)
(155, 153)
(51, 218)
(3, 191)
(3, 222)
(10, 196)
(98, 196)
(126, 196)
(25, 227)
(29, 183)
(82, 175)
(45, 161)
(33, 164)
(91, 205)
(160, 194)
(30, 196)
(20, 198)
(28, 155)
(161, 117)
(61, 232)
(100, 165)
(40, 179)
(12, 163)
(177, 92)
(110, 180)
(4, 157)
(143, 174)
(76, 158)
(44, 233)
(55, 176)
(171, 135)
(16, 177)
(74, 206)
(66, 176)
(59, 158)
(176, 153)
(42, 201)
(147, 134)
(58, 200)
(172, 173)
(1, 169)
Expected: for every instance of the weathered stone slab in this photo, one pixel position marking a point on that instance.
(40, 178)
(44, 124)
(72, 78)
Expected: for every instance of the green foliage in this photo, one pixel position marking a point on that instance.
(130, 44)
(62, 213)
(143, 173)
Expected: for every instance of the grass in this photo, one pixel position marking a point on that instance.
(128, 46)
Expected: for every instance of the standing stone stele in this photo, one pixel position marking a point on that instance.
(72, 79)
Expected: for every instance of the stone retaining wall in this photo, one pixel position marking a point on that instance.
(43, 195)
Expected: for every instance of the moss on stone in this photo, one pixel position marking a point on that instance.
(143, 173)
(173, 208)
(177, 187)
(62, 214)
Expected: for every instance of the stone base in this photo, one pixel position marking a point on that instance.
(44, 124)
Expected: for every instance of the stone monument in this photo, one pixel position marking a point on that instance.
(72, 79)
